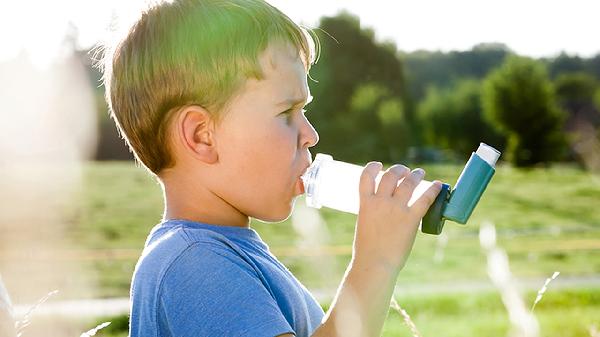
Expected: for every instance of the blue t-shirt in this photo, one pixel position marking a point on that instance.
(195, 279)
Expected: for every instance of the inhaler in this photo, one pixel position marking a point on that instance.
(335, 184)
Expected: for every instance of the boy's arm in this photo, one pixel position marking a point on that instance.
(385, 232)
(362, 302)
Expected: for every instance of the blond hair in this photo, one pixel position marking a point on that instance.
(189, 52)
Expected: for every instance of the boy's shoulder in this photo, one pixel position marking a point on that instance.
(170, 245)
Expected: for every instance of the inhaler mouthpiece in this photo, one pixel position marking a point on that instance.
(335, 184)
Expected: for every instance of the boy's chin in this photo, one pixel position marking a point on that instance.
(279, 215)
(272, 218)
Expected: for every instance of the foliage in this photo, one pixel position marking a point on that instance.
(453, 118)
(565, 63)
(425, 68)
(575, 93)
(373, 107)
(356, 75)
(519, 99)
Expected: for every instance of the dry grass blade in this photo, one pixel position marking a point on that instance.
(406, 317)
(93, 331)
(543, 289)
(524, 324)
(7, 320)
(5, 302)
(25, 321)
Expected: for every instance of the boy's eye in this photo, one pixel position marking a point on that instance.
(288, 113)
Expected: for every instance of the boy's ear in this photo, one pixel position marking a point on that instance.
(197, 133)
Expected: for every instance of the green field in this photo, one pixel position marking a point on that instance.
(565, 313)
(547, 220)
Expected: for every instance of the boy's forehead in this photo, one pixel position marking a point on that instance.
(285, 77)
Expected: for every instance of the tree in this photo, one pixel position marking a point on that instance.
(424, 68)
(575, 94)
(565, 63)
(593, 66)
(373, 107)
(351, 58)
(518, 98)
(453, 118)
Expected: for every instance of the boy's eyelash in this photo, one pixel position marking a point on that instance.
(289, 111)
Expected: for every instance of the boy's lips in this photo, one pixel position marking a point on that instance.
(300, 186)
(300, 182)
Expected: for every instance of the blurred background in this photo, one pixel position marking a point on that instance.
(416, 83)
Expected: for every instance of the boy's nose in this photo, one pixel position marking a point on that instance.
(309, 136)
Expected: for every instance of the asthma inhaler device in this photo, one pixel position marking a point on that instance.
(334, 184)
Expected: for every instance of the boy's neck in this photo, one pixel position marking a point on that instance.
(198, 204)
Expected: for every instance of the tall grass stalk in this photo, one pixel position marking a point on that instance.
(543, 289)
(21, 324)
(7, 316)
(524, 324)
(413, 328)
(93, 331)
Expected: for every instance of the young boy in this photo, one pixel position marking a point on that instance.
(209, 95)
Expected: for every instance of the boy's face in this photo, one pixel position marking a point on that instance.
(263, 140)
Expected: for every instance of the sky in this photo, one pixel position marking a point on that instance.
(529, 27)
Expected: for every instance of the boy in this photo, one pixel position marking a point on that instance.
(209, 95)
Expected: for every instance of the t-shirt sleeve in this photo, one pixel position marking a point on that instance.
(209, 290)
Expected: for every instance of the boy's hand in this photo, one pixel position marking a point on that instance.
(386, 225)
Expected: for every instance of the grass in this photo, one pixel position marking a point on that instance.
(561, 313)
(120, 203)
(546, 220)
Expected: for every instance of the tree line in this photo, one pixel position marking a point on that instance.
(374, 102)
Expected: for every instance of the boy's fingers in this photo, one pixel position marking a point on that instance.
(389, 180)
(425, 201)
(406, 188)
(367, 178)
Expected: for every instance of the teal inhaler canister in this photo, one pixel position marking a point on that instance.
(458, 204)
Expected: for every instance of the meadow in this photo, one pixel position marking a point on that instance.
(547, 220)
